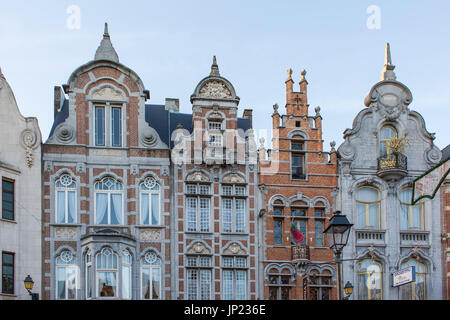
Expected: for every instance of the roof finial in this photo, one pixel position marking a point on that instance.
(303, 74)
(106, 50)
(289, 73)
(214, 68)
(388, 69)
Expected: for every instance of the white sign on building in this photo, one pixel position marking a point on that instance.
(404, 276)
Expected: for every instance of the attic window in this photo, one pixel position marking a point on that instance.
(297, 124)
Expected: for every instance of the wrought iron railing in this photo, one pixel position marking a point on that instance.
(394, 161)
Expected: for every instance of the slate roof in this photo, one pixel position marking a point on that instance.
(446, 152)
(162, 120)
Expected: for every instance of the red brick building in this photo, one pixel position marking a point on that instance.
(445, 223)
(297, 181)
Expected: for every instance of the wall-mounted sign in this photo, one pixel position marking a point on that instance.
(404, 276)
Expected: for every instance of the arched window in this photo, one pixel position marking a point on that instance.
(150, 199)
(88, 272)
(151, 276)
(387, 132)
(66, 200)
(319, 284)
(280, 284)
(108, 202)
(107, 273)
(415, 290)
(66, 276)
(126, 274)
(370, 280)
(411, 216)
(368, 214)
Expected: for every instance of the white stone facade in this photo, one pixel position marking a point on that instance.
(20, 163)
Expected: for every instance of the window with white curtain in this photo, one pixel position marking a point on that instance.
(126, 274)
(150, 202)
(234, 270)
(411, 216)
(66, 200)
(370, 280)
(415, 290)
(107, 273)
(198, 274)
(108, 202)
(66, 276)
(198, 207)
(151, 276)
(368, 211)
(233, 208)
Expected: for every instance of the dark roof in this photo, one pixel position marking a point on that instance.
(166, 122)
(62, 115)
(446, 152)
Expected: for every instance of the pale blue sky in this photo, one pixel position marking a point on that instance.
(170, 45)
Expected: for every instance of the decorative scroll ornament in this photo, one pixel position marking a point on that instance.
(215, 89)
(29, 142)
(64, 133)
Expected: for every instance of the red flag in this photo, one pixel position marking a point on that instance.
(296, 235)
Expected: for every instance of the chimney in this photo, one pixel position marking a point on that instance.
(172, 105)
(248, 114)
(58, 100)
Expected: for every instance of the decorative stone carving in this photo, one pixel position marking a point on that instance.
(347, 151)
(107, 93)
(197, 177)
(235, 249)
(134, 169)
(149, 137)
(28, 140)
(165, 171)
(150, 234)
(433, 155)
(199, 248)
(233, 178)
(64, 133)
(81, 167)
(215, 89)
(48, 166)
(66, 232)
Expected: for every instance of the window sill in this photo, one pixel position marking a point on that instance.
(234, 233)
(9, 221)
(144, 226)
(9, 295)
(199, 232)
(65, 224)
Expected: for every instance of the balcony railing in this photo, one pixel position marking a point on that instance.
(300, 253)
(414, 238)
(366, 237)
(394, 167)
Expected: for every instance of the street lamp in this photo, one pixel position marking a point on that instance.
(29, 283)
(348, 289)
(337, 235)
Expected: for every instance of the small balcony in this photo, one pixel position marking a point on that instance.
(300, 253)
(414, 238)
(393, 168)
(370, 237)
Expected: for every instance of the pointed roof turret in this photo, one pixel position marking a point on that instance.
(388, 69)
(106, 50)
(214, 68)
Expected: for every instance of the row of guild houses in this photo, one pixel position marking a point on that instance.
(130, 200)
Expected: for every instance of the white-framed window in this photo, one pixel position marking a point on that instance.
(107, 273)
(151, 276)
(233, 208)
(88, 274)
(66, 276)
(411, 216)
(215, 125)
(126, 274)
(234, 271)
(368, 208)
(198, 201)
(198, 275)
(66, 205)
(108, 202)
(150, 202)
(108, 125)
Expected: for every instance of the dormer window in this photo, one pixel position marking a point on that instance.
(387, 132)
(108, 125)
(215, 125)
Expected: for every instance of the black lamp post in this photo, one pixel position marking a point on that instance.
(337, 233)
(29, 283)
